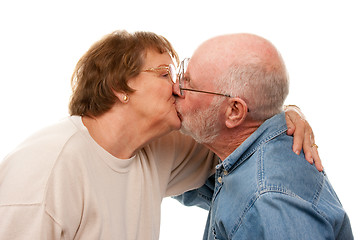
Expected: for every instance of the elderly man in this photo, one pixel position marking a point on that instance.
(230, 98)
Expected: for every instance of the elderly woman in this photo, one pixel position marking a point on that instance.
(102, 172)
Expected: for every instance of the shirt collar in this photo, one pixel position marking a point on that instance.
(270, 129)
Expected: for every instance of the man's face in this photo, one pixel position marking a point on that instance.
(199, 112)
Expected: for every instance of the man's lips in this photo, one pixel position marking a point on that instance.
(179, 115)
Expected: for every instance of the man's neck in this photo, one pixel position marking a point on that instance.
(230, 139)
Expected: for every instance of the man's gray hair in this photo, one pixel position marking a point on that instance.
(262, 85)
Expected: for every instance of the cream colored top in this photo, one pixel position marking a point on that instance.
(60, 184)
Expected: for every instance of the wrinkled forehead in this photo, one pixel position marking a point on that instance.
(200, 73)
(203, 66)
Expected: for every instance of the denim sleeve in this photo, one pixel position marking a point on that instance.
(200, 197)
(276, 215)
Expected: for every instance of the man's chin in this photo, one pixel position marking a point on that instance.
(184, 131)
(189, 133)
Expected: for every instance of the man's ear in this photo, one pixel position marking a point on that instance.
(236, 112)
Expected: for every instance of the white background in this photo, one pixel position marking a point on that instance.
(41, 41)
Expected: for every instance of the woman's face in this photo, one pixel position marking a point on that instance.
(153, 100)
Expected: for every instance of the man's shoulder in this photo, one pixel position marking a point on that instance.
(280, 168)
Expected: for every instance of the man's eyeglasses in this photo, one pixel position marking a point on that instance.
(170, 70)
(182, 79)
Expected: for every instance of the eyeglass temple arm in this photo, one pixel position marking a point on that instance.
(220, 94)
(194, 90)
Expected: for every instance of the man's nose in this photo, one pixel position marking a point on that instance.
(176, 89)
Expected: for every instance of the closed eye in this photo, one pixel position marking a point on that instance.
(187, 81)
(165, 75)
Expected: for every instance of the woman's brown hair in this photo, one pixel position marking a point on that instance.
(107, 66)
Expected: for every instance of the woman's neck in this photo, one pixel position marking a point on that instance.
(121, 133)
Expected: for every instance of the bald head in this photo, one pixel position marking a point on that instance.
(219, 53)
(247, 66)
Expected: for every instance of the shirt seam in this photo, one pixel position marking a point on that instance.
(269, 189)
(46, 189)
(21, 204)
(43, 205)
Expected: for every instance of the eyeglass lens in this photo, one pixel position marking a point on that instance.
(183, 68)
(172, 73)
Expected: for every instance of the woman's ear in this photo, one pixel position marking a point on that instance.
(236, 112)
(122, 96)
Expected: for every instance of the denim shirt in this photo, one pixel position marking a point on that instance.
(263, 190)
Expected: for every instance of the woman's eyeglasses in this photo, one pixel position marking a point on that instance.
(170, 70)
